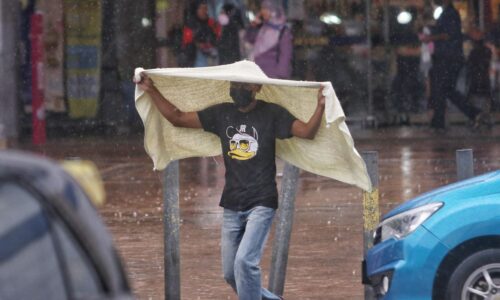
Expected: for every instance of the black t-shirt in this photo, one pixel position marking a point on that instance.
(248, 143)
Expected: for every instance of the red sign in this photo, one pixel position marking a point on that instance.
(38, 109)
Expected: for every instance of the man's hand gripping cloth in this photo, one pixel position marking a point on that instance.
(331, 153)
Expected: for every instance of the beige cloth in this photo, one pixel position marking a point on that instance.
(331, 153)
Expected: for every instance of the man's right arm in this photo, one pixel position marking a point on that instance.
(167, 109)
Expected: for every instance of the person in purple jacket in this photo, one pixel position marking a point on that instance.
(272, 40)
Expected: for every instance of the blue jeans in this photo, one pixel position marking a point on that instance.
(244, 235)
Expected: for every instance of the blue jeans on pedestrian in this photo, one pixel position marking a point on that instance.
(244, 235)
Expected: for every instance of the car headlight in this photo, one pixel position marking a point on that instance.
(403, 224)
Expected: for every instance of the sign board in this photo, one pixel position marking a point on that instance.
(83, 56)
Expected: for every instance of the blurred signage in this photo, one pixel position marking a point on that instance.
(311, 41)
(83, 56)
(37, 86)
(162, 5)
(3, 137)
(53, 60)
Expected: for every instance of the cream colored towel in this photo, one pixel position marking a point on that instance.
(331, 153)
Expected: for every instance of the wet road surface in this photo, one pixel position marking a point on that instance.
(326, 244)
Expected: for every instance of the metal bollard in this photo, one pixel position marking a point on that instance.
(283, 229)
(171, 234)
(465, 164)
(371, 211)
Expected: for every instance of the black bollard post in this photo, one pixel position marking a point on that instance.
(371, 211)
(171, 233)
(283, 229)
(465, 164)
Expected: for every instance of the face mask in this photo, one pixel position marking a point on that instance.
(241, 97)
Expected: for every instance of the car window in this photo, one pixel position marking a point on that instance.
(29, 267)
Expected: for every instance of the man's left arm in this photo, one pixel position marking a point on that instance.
(308, 130)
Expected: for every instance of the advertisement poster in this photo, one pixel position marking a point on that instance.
(53, 50)
(83, 56)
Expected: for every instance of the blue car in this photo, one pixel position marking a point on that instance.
(444, 244)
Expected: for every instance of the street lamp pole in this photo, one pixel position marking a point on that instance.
(370, 117)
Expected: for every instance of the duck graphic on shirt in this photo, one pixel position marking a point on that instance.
(242, 146)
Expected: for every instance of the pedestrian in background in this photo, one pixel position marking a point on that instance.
(199, 37)
(478, 76)
(447, 61)
(231, 22)
(272, 40)
(407, 86)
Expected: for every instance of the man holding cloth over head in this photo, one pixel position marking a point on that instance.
(247, 129)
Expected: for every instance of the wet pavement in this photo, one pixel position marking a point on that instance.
(326, 244)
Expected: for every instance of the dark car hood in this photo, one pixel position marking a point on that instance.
(64, 194)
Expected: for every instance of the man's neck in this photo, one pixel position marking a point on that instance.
(250, 106)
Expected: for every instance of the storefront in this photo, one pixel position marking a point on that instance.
(91, 47)
(88, 50)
